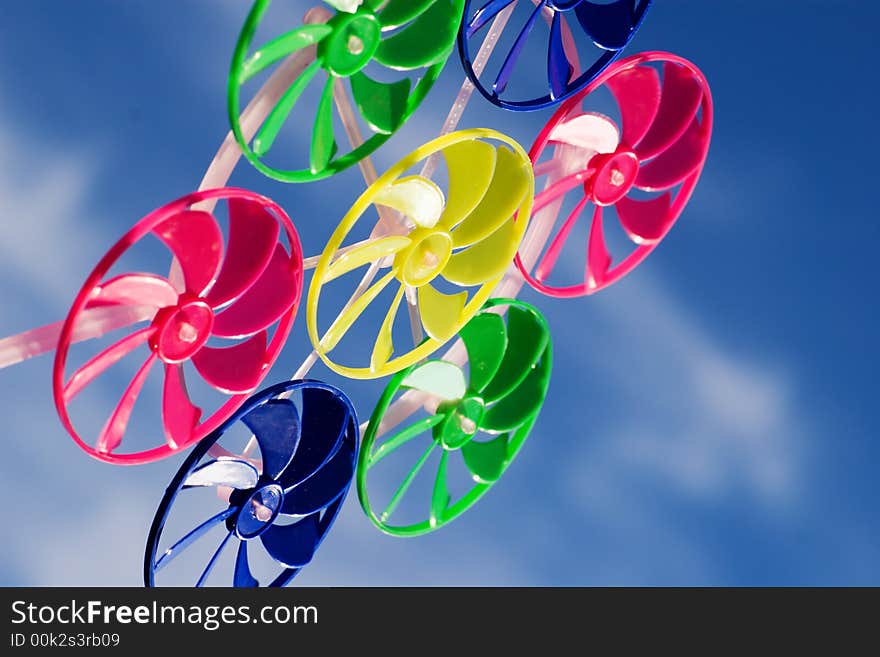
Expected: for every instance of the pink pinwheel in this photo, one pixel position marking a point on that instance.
(647, 171)
(237, 296)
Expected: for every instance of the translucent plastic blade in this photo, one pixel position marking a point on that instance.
(103, 361)
(558, 67)
(323, 488)
(440, 313)
(484, 260)
(598, 258)
(384, 346)
(610, 25)
(485, 339)
(242, 577)
(372, 251)
(486, 460)
(637, 92)
(676, 163)
(424, 42)
(253, 234)
(439, 378)
(504, 73)
(526, 341)
(383, 105)
(344, 322)
(324, 423)
(521, 404)
(440, 494)
(234, 370)
(168, 555)
(268, 133)
(323, 146)
(276, 426)
(113, 430)
(590, 131)
(281, 47)
(135, 290)
(292, 545)
(397, 12)
(264, 303)
(470, 166)
(485, 14)
(645, 221)
(679, 103)
(197, 243)
(418, 198)
(506, 192)
(179, 415)
(233, 473)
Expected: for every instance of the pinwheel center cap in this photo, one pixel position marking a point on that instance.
(462, 422)
(352, 44)
(614, 177)
(259, 511)
(425, 258)
(181, 330)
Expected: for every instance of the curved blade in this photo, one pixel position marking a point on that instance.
(281, 47)
(645, 221)
(397, 12)
(521, 404)
(486, 13)
(323, 146)
(509, 186)
(292, 545)
(276, 426)
(324, 487)
(268, 132)
(609, 26)
(507, 67)
(598, 258)
(440, 313)
(485, 339)
(242, 577)
(325, 420)
(384, 346)
(364, 254)
(135, 290)
(427, 40)
(112, 432)
(470, 168)
(103, 361)
(196, 241)
(439, 378)
(223, 471)
(264, 302)
(440, 494)
(591, 131)
(559, 69)
(526, 341)
(383, 105)
(487, 259)
(168, 555)
(486, 460)
(253, 234)
(417, 197)
(679, 103)
(179, 415)
(346, 320)
(637, 92)
(676, 163)
(234, 370)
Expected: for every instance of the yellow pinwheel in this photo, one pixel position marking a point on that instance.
(441, 242)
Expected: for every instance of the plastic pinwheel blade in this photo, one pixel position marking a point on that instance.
(237, 287)
(410, 39)
(512, 358)
(456, 245)
(599, 30)
(642, 173)
(264, 497)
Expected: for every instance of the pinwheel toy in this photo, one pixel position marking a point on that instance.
(643, 175)
(288, 496)
(610, 26)
(464, 238)
(215, 309)
(403, 36)
(485, 419)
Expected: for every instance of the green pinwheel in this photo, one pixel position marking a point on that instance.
(404, 36)
(486, 419)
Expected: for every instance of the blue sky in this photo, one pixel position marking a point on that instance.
(712, 419)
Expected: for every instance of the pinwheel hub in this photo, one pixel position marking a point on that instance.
(425, 258)
(181, 330)
(463, 419)
(258, 511)
(615, 175)
(352, 44)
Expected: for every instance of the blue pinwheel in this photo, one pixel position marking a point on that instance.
(287, 496)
